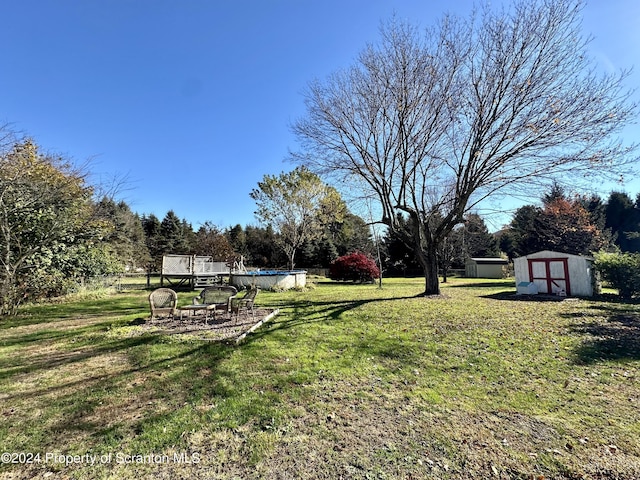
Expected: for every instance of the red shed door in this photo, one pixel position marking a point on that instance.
(551, 275)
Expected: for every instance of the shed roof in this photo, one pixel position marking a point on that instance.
(490, 261)
(554, 254)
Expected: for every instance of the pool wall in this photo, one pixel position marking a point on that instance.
(270, 279)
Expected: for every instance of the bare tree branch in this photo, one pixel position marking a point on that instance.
(432, 124)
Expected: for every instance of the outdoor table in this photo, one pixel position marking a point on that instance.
(192, 309)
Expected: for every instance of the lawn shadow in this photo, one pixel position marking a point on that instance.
(304, 312)
(154, 376)
(516, 297)
(48, 360)
(497, 284)
(52, 312)
(80, 372)
(616, 337)
(360, 340)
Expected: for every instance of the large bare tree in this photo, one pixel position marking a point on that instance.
(432, 124)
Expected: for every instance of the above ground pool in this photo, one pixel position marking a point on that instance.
(270, 279)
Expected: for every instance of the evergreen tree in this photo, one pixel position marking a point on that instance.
(507, 243)
(399, 258)
(556, 192)
(597, 210)
(623, 218)
(523, 231)
(238, 240)
(263, 251)
(353, 235)
(126, 235)
(151, 226)
(175, 235)
(477, 240)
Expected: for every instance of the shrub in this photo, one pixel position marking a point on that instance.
(355, 267)
(621, 271)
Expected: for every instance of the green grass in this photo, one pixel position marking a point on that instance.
(351, 381)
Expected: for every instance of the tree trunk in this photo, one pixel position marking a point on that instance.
(291, 253)
(429, 260)
(9, 299)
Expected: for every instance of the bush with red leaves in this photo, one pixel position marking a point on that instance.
(355, 267)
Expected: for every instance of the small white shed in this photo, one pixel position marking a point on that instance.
(485, 267)
(556, 273)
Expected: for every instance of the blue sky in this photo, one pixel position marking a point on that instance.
(192, 100)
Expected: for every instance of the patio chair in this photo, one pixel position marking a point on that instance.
(245, 302)
(163, 303)
(216, 298)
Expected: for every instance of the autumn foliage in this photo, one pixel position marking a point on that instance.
(355, 267)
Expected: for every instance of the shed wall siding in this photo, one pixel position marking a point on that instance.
(475, 268)
(580, 271)
(489, 271)
(580, 274)
(521, 270)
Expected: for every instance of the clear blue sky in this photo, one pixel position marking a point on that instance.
(192, 100)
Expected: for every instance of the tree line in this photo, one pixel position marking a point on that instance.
(579, 224)
(575, 224)
(258, 246)
(57, 229)
(54, 231)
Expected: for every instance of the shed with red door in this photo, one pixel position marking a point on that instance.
(556, 273)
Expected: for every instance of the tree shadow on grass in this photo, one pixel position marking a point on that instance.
(79, 386)
(50, 313)
(515, 297)
(17, 366)
(616, 337)
(306, 312)
(480, 284)
(71, 377)
(150, 378)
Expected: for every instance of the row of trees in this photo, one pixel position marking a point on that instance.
(56, 229)
(574, 224)
(53, 232)
(471, 239)
(259, 246)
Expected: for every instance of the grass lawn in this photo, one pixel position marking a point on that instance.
(346, 382)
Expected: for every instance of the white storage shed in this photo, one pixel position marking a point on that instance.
(556, 273)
